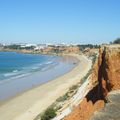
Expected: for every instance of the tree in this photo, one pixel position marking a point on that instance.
(117, 41)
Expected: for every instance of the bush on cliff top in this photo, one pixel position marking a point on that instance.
(117, 41)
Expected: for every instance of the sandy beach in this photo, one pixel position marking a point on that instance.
(29, 104)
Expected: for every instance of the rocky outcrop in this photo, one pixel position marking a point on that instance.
(111, 110)
(105, 77)
(90, 103)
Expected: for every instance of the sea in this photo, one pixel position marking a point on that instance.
(20, 72)
(13, 64)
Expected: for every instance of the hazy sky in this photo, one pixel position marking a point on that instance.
(58, 21)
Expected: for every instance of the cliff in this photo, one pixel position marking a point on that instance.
(105, 78)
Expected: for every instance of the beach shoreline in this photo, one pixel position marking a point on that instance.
(28, 80)
(30, 103)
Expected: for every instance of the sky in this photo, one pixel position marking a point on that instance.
(59, 21)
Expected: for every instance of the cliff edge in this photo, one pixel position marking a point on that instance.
(105, 78)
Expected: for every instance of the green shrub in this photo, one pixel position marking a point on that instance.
(58, 107)
(63, 98)
(117, 41)
(74, 87)
(49, 113)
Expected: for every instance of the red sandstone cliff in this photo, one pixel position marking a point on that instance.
(105, 77)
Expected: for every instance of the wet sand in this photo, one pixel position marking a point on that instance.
(29, 104)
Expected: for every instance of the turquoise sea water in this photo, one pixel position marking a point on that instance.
(14, 64)
(20, 72)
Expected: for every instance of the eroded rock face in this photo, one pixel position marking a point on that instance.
(106, 72)
(112, 59)
(84, 110)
